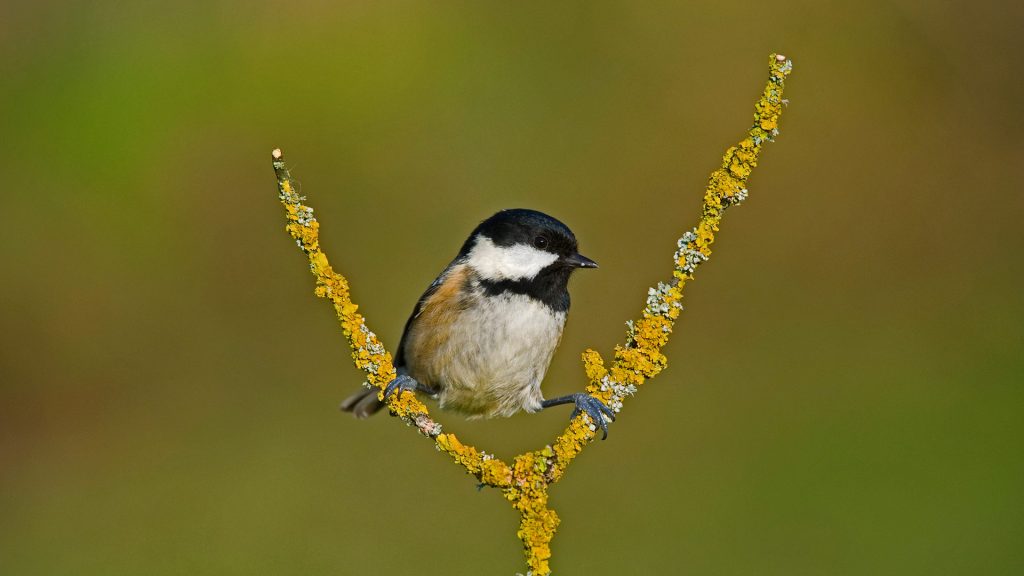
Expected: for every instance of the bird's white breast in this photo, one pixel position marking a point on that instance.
(492, 356)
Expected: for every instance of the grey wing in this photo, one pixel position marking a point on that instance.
(364, 403)
(400, 354)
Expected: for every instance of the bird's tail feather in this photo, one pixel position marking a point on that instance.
(362, 404)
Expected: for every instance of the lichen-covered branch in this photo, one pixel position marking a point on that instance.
(368, 352)
(640, 357)
(525, 482)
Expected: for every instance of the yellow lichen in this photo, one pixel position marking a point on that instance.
(525, 482)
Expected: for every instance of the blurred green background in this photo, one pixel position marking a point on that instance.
(844, 394)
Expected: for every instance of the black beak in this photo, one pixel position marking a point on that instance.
(579, 261)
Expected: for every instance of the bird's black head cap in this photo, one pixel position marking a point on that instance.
(524, 226)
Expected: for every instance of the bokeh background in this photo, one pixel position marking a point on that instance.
(844, 394)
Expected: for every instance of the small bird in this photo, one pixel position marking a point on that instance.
(481, 337)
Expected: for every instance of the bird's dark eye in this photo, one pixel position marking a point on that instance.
(540, 242)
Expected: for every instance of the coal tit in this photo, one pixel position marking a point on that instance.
(482, 336)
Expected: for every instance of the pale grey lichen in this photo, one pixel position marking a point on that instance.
(290, 196)
(374, 345)
(691, 260)
(690, 256)
(657, 303)
(738, 196)
(618, 390)
(630, 334)
(304, 215)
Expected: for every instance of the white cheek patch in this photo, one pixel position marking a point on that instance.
(518, 262)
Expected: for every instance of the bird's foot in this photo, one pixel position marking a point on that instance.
(599, 414)
(401, 382)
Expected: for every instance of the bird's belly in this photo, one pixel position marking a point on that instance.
(492, 356)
